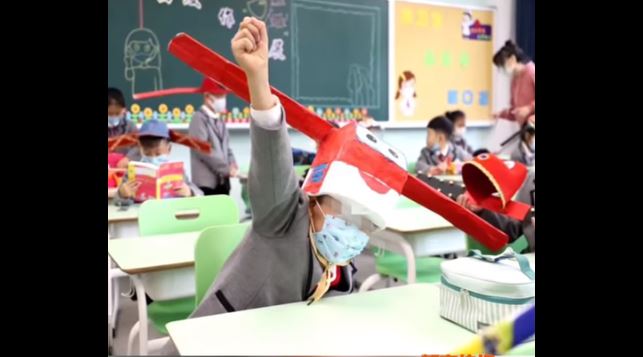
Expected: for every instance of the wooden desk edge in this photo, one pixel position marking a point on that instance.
(157, 268)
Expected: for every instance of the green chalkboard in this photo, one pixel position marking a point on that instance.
(331, 55)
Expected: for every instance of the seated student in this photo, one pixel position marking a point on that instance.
(299, 246)
(512, 227)
(155, 147)
(117, 124)
(433, 158)
(526, 151)
(459, 120)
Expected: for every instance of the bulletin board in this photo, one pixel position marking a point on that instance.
(442, 61)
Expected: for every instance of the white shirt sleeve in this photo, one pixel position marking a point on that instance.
(269, 119)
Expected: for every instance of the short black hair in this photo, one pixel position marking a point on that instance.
(441, 125)
(151, 142)
(454, 115)
(508, 50)
(115, 96)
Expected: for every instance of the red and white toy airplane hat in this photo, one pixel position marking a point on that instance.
(349, 165)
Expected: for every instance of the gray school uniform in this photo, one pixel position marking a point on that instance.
(459, 141)
(274, 263)
(210, 170)
(430, 158)
(125, 127)
(118, 199)
(523, 155)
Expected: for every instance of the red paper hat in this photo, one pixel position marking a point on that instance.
(215, 66)
(207, 86)
(492, 183)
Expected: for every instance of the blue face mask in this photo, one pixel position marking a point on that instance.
(339, 241)
(113, 121)
(155, 160)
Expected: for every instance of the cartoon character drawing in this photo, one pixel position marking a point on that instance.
(406, 90)
(277, 50)
(467, 21)
(258, 8)
(194, 3)
(226, 17)
(142, 58)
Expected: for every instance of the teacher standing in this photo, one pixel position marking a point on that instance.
(512, 60)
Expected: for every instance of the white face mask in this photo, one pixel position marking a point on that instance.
(218, 104)
(459, 132)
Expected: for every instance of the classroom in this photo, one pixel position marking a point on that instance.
(284, 174)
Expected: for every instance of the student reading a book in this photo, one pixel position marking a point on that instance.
(299, 246)
(155, 146)
(212, 172)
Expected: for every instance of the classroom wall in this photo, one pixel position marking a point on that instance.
(408, 140)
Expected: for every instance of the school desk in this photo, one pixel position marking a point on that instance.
(122, 222)
(150, 254)
(396, 321)
(454, 178)
(416, 232)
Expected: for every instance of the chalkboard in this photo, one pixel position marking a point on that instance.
(329, 55)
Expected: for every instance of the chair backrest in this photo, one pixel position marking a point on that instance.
(212, 249)
(410, 167)
(178, 215)
(300, 169)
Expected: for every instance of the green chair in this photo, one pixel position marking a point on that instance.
(393, 265)
(214, 246)
(410, 167)
(300, 169)
(178, 216)
(390, 265)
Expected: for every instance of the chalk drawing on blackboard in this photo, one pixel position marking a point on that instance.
(258, 8)
(360, 85)
(276, 3)
(142, 58)
(406, 93)
(193, 3)
(371, 64)
(226, 17)
(278, 20)
(277, 50)
(169, 2)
